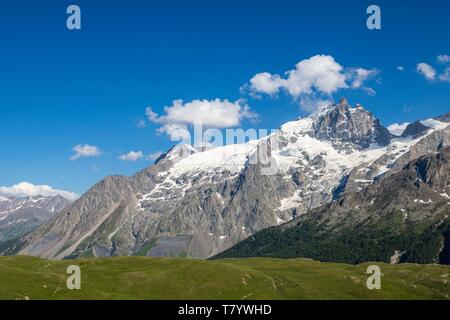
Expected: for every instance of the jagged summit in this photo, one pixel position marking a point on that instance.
(346, 127)
(343, 101)
(342, 124)
(414, 129)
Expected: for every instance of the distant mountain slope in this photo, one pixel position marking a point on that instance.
(197, 204)
(20, 215)
(404, 217)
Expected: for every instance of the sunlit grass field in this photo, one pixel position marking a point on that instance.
(236, 279)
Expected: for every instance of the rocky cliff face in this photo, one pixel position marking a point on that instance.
(346, 126)
(197, 204)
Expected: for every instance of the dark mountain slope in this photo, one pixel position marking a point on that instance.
(401, 218)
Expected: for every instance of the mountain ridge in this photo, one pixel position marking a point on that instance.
(404, 217)
(19, 215)
(202, 204)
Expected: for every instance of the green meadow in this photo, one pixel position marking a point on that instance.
(237, 279)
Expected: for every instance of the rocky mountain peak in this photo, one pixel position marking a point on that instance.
(343, 101)
(444, 117)
(414, 130)
(344, 125)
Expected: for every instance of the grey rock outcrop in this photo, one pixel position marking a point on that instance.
(414, 130)
(342, 124)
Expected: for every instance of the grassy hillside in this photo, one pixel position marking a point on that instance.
(163, 278)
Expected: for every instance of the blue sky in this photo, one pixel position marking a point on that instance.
(61, 88)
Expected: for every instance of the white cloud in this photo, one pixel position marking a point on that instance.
(176, 131)
(397, 129)
(132, 156)
(25, 189)
(370, 91)
(443, 58)
(426, 70)
(315, 78)
(152, 116)
(85, 151)
(140, 123)
(266, 83)
(361, 75)
(400, 68)
(446, 75)
(210, 113)
(431, 74)
(155, 155)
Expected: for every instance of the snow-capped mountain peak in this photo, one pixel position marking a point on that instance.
(200, 202)
(343, 124)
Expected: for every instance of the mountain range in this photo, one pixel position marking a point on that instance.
(19, 215)
(197, 203)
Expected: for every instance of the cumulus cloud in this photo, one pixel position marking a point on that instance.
(132, 156)
(443, 58)
(446, 75)
(426, 70)
(140, 123)
(85, 150)
(210, 113)
(319, 73)
(360, 75)
(400, 68)
(316, 78)
(26, 189)
(430, 72)
(266, 83)
(152, 116)
(397, 129)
